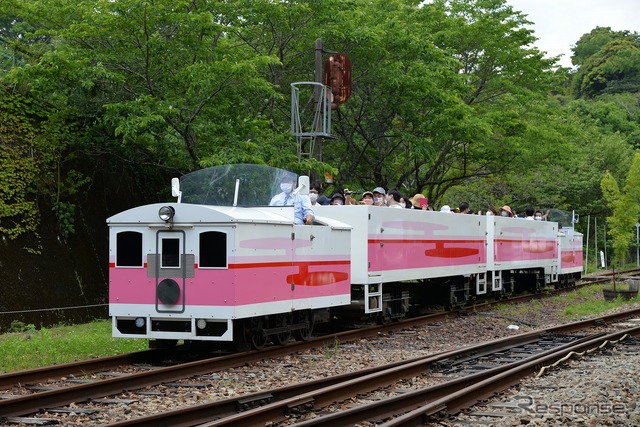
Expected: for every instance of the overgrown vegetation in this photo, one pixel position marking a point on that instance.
(450, 98)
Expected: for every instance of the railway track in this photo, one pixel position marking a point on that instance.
(79, 388)
(490, 367)
(279, 404)
(157, 356)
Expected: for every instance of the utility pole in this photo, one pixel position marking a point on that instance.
(317, 93)
(637, 242)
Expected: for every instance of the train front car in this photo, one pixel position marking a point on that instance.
(223, 266)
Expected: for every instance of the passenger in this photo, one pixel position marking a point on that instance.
(285, 198)
(313, 196)
(322, 199)
(506, 211)
(538, 216)
(348, 197)
(445, 209)
(367, 198)
(464, 208)
(378, 196)
(393, 199)
(528, 213)
(491, 211)
(419, 201)
(337, 200)
(406, 202)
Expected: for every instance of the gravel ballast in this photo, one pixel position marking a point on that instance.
(594, 380)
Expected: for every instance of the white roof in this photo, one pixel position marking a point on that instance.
(188, 213)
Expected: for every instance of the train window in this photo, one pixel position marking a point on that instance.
(129, 249)
(170, 253)
(213, 249)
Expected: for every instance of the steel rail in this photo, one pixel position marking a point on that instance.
(469, 396)
(287, 399)
(346, 390)
(30, 376)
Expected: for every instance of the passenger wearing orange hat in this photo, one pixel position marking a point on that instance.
(506, 211)
(419, 201)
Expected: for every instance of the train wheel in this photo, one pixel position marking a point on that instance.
(256, 330)
(282, 321)
(305, 333)
(383, 318)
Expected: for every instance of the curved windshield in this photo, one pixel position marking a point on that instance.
(216, 185)
(565, 219)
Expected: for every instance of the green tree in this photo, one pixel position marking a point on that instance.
(625, 208)
(592, 42)
(166, 76)
(437, 90)
(613, 68)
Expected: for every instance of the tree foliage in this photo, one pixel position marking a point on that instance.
(609, 63)
(435, 105)
(450, 98)
(625, 207)
(165, 76)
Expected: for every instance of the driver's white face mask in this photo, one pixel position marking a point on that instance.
(286, 187)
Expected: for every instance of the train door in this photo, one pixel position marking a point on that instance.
(170, 266)
(303, 249)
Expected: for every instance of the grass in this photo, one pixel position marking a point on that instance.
(33, 348)
(590, 302)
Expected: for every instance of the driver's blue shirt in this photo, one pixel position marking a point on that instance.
(301, 205)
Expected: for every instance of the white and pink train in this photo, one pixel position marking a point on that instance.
(221, 265)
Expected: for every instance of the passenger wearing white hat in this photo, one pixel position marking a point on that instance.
(378, 196)
(446, 209)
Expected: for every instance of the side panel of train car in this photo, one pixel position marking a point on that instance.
(571, 256)
(401, 245)
(213, 265)
(393, 247)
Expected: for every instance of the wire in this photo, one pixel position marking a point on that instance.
(53, 309)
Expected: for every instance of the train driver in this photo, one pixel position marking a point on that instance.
(302, 210)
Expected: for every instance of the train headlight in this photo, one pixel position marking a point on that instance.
(139, 322)
(201, 323)
(166, 213)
